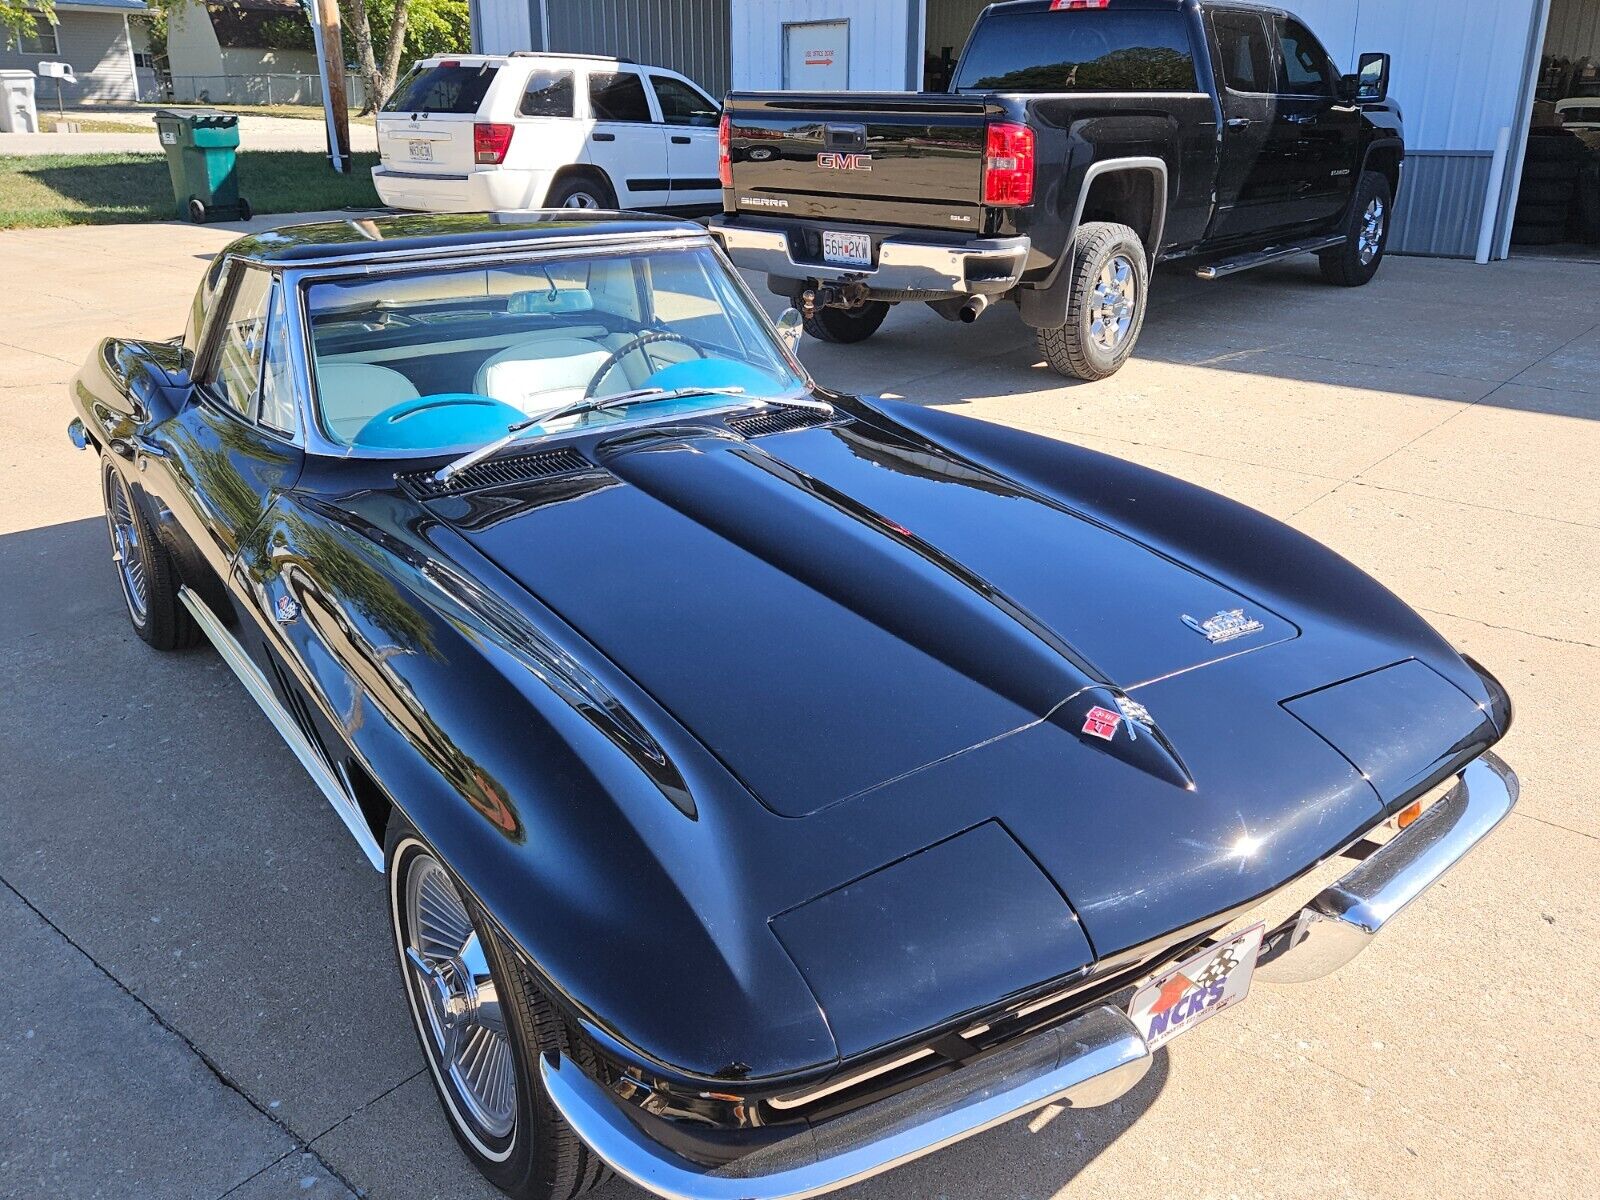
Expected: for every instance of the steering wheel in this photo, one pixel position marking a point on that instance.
(638, 343)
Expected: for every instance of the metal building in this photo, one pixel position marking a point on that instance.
(1473, 78)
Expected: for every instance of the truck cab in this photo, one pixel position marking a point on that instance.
(1081, 142)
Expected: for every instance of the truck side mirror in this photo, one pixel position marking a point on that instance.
(1372, 86)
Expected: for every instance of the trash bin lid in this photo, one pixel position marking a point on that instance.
(200, 117)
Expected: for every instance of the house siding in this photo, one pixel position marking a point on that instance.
(96, 45)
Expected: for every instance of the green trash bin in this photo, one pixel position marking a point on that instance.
(200, 145)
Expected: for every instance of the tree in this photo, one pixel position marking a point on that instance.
(391, 33)
(20, 18)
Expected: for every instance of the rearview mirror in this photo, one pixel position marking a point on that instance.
(1372, 79)
(790, 325)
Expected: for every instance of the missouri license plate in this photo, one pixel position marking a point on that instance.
(1180, 998)
(421, 151)
(846, 249)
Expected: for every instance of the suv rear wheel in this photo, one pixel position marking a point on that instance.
(1105, 310)
(580, 190)
(1366, 235)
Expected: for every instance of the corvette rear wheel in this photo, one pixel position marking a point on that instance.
(483, 1025)
(144, 569)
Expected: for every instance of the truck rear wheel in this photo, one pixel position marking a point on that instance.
(1105, 311)
(1366, 235)
(847, 324)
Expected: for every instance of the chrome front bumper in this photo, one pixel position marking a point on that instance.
(1341, 921)
(987, 266)
(1091, 1060)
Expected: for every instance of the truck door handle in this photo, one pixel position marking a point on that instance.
(679, 140)
(1238, 122)
(603, 137)
(1302, 118)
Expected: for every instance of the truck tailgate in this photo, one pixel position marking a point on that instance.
(890, 158)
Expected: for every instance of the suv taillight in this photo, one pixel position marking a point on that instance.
(490, 143)
(724, 154)
(1008, 165)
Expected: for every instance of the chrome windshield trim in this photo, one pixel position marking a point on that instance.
(1085, 1063)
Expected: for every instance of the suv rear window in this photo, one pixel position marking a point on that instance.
(1088, 51)
(445, 88)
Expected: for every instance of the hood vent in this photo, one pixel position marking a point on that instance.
(498, 472)
(778, 420)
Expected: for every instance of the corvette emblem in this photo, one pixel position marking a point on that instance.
(1101, 723)
(1224, 626)
(287, 609)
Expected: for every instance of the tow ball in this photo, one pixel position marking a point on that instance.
(847, 296)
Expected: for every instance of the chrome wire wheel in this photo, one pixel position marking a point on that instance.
(127, 549)
(459, 1002)
(1113, 302)
(1370, 237)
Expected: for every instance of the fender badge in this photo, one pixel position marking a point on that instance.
(1224, 626)
(1137, 715)
(287, 609)
(1101, 723)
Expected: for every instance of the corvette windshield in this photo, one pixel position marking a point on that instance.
(449, 359)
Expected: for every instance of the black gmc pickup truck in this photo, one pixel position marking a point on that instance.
(1081, 142)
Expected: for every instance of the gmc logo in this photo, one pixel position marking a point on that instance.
(833, 161)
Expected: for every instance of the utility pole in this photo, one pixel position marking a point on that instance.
(325, 31)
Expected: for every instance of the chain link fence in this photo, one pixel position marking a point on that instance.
(274, 88)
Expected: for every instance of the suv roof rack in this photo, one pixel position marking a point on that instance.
(570, 54)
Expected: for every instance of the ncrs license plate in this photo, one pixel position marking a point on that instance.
(846, 249)
(421, 151)
(1178, 999)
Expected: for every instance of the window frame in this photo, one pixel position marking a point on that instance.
(661, 109)
(43, 26)
(1280, 61)
(653, 113)
(572, 78)
(1268, 39)
(211, 334)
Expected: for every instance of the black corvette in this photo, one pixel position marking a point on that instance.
(772, 785)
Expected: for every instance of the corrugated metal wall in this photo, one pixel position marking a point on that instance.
(690, 36)
(884, 50)
(1460, 73)
(1574, 28)
(504, 26)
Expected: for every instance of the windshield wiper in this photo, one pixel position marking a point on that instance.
(571, 409)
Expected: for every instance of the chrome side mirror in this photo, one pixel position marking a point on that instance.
(790, 325)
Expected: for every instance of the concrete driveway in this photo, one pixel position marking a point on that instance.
(199, 998)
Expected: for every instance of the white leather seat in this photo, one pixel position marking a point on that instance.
(534, 375)
(353, 393)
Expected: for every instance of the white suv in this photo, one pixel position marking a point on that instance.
(472, 132)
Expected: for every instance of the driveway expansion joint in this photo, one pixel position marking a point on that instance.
(300, 1145)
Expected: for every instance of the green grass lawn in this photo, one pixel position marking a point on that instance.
(104, 189)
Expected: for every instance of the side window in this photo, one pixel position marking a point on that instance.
(1243, 48)
(682, 104)
(617, 96)
(277, 375)
(236, 366)
(548, 94)
(1306, 70)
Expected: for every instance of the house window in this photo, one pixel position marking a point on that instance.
(42, 40)
(144, 60)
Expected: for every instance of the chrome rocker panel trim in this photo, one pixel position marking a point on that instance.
(1085, 1063)
(1342, 919)
(903, 265)
(261, 692)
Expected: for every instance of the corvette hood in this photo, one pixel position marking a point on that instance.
(834, 608)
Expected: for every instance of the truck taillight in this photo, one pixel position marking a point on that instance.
(1008, 165)
(724, 154)
(1059, 5)
(490, 143)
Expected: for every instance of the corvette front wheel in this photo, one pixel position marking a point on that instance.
(483, 1025)
(144, 569)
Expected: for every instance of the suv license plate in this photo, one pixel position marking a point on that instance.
(846, 249)
(421, 151)
(1179, 999)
